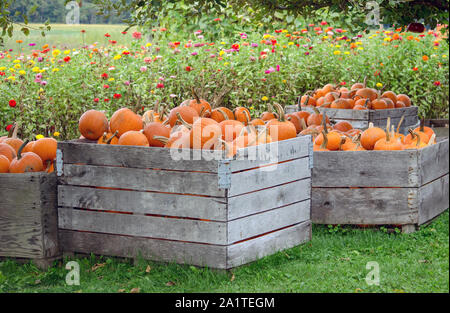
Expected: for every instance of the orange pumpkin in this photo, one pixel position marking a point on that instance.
(4, 164)
(187, 113)
(405, 99)
(370, 136)
(133, 138)
(230, 129)
(202, 106)
(242, 115)
(205, 133)
(26, 162)
(108, 139)
(156, 129)
(124, 120)
(7, 151)
(281, 129)
(388, 143)
(93, 124)
(343, 126)
(46, 149)
(221, 114)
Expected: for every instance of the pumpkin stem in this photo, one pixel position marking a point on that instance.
(365, 81)
(247, 116)
(111, 138)
(418, 139)
(370, 125)
(343, 140)
(388, 126)
(299, 105)
(325, 104)
(306, 101)
(163, 139)
(280, 111)
(225, 116)
(400, 123)
(196, 97)
(19, 152)
(366, 102)
(183, 122)
(303, 124)
(16, 129)
(202, 111)
(166, 122)
(432, 139)
(325, 140)
(422, 124)
(11, 130)
(324, 122)
(316, 110)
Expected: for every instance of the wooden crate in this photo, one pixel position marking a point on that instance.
(136, 201)
(361, 118)
(407, 188)
(28, 217)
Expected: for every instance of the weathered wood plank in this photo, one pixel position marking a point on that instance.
(394, 113)
(143, 179)
(210, 208)
(372, 206)
(152, 249)
(434, 161)
(48, 194)
(143, 225)
(139, 157)
(266, 199)
(257, 224)
(19, 191)
(334, 113)
(434, 199)
(365, 169)
(275, 152)
(269, 176)
(257, 248)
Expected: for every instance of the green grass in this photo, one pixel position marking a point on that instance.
(334, 261)
(66, 36)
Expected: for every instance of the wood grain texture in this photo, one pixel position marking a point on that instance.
(267, 221)
(372, 206)
(143, 226)
(143, 179)
(366, 169)
(263, 200)
(257, 248)
(210, 208)
(152, 249)
(433, 161)
(434, 199)
(49, 204)
(272, 175)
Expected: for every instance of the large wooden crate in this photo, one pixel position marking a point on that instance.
(361, 118)
(28, 217)
(135, 201)
(407, 188)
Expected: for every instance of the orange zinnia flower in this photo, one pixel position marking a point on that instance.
(425, 58)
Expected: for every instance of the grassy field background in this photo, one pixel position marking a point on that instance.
(334, 261)
(68, 36)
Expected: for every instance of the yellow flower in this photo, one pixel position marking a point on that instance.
(221, 53)
(111, 79)
(41, 90)
(149, 44)
(444, 56)
(4, 67)
(346, 52)
(379, 85)
(284, 31)
(290, 43)
(42, 71)
(325, 37)
(337, 46)
(56, 52)
(337, 52)
(56, 134)
(67, 52)
(35, 69)
(17, 66)
(12, 70)
(22, 72)
(267, 36)
(16, 61)
(39, 136)
(264, 98)
(12, 78)
(117, 57)
(55, 70)
(223, 43)
(358, 43)
(31, 62)
(387, 39)
(284, 46)
(284, 81)
(360, 48)
(252, 108)
(226, 63)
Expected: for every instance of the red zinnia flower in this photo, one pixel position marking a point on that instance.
(117, 96)
(104, 75)
(188, 68)
(67, 59)
(7, 128)
(96, 100)
(235, 46)
(137, 35)
(12, 103)
(107, 35)
(437, 83)
(217, 19)
(160, 85)
(83, 31)
(124, 33)
(106, 100)
(106, 86)
(414, 69)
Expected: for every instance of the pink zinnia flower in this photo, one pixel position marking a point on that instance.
(137, 35)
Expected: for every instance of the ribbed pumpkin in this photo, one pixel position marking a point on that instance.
(7, 151)
(333, 137)
(424, 129)
(257, 122)
(26, 162)
(370, 136)
(46, 149)
(221, 114)
(366, 93)
(93, 124)
(13, 141)
(388, 143)
(230, 129)
(268, 115)
(188, 114)
(379, 104)
(281, 129)
(242, 115)
(133, 138)
(405, 99)
(109, 139)
(200, 105)
(205, 133)
(391, 95)
(124, 120)
(323, 145)
(4, 164)
(315, 118)
(156, 129)
(294, 119)
(343, 126)
(28, 147)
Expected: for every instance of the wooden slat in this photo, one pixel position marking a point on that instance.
(142, 225)
(139, 157)
(334, 113)
(254, 249)
(49, 219)
(272, 175)
(393, 113)
(210, 208)
(259, 201)
(434, 199)
(153, 249)
(143, 179)
(365, 169)
(257, 224)
(434, 161)
(271, 153)
(373, 206)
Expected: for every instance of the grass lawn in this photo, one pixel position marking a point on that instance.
(334, 261)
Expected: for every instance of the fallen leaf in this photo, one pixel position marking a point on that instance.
(148, 269)
(97, 266)
(135, 290)
(37, 281)
(232, 277)
(121, 290)
(170, 283)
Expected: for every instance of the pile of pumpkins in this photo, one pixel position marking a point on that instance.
(18, 156)
(343, 137)
(359, 97)
(194, 124)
